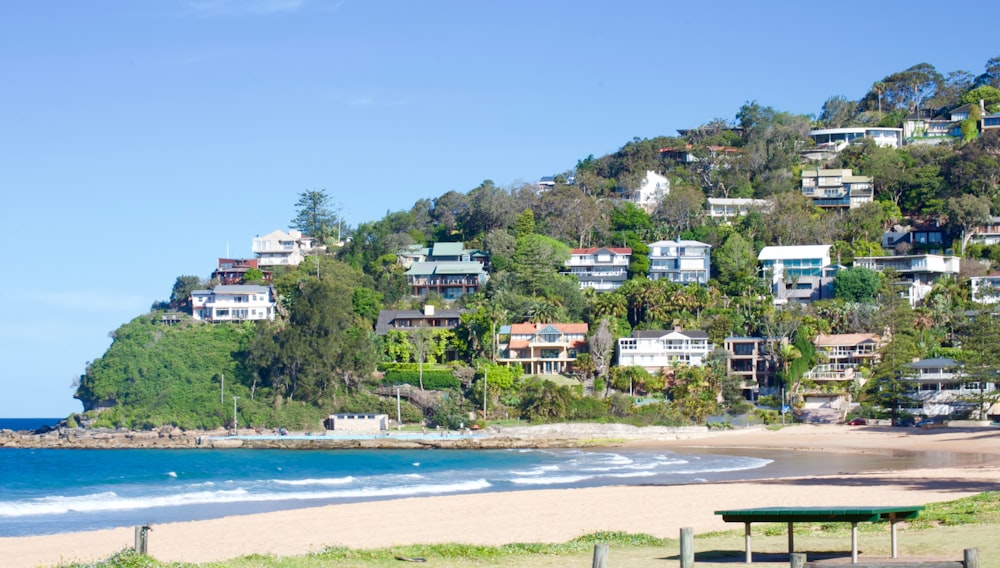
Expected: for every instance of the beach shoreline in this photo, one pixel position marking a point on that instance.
(558, 515)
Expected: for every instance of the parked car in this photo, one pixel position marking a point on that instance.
(857, 422)
(926, 422)
(904, 422)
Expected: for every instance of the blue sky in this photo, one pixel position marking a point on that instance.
(142, 140)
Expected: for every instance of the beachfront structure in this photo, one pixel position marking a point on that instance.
(681, 261)
(916, 272)
(541, 348)
(279, 248)
(940, 388)
(844, 354)
(655, 350)
(357, 423)
(837, 189)
(836, 139)
(801, 273)
(234, 303)
(603, 269)
(724, 209)
(651, 191)
(749, 360)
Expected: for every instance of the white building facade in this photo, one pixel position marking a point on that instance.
(665, 349)
(603, 269)
(801, 273)
(684, 262)
(235, 303)
(279, 248)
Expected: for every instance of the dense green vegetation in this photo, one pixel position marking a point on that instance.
(322, 355)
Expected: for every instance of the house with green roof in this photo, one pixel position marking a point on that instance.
(448, 269)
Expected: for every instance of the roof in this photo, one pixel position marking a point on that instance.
(386, 317)
(657, 333)
(794, 251)
(934, 363)
(448, 249)
(448, 267)
(845, 339)
(678, 242)
(533, 328)
(592, 250)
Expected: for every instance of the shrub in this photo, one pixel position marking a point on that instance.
(433, 380)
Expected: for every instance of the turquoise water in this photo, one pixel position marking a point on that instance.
(46, 491)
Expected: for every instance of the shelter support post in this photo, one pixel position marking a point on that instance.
(854, 542)
(746, 542)
(791, 538)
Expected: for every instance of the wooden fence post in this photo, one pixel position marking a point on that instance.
(141, 539)
(798, 559)
(600, 555)
(687, 547)
(971, 558)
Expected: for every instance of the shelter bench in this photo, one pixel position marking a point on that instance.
(792, 515)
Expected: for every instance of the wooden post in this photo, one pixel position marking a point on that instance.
(141, 539)
(600, 555)
(797, 559)
(971, 558)
(791, 537)
(687, 547)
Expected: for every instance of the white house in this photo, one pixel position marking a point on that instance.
(986, 289)
(279, 248)
(917, 272)
(651, 191)
(800, 273)
(663, 349)
(836, 139)
(236, 302)
(685, 262)
(602, 268)
(941, 388)
(724, 209)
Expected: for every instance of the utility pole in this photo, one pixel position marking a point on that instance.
(222, 389)
(486, 373)
(399, 416)
(235, 421)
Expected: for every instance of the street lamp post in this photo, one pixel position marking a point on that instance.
(235, 420)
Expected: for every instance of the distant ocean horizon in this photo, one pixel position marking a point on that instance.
(27, 424)
(46, 491)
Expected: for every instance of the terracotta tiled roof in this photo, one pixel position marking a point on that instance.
(844, 339)
(531, 328)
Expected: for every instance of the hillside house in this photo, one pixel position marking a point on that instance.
(279, 248)
(916, 272)
(542, 348)
(749, 359)
(940, 388)
(233, 270)
(651, 191)
(801, 273)
(234, 303)
(681, 261)
(836, 189)
(656, 350)
(725, 209)
(602, 269)
(448, 269)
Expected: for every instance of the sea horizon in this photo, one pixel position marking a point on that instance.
(27, 424)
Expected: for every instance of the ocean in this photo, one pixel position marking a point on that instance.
(28, 424)
(45, 491)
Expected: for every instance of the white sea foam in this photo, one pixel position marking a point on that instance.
(550, 480)
(110, 501)
(540, 470)
(325, 481)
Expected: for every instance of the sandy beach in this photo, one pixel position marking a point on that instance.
(560, 515)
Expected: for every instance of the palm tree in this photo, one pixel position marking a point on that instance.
(787, 353)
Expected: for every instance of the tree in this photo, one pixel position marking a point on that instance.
(857, 284)
(735, 263)
(992, 75)
(980, 358)
(537, 261)
(601, 344)
(838, 112)
(966, 212)
(313, 215)
(180, 295)
(681, 209)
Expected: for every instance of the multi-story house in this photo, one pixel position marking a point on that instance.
(602, 268)
(940, 388)
(542, 348)
(844, 354)
(234, 270)
(749, 360)
(655, 350)
(986, 289)
(801, 273)
(685, 262)
(915, 239)
(916, 272)
(836, 189)
(651, 191)
(724, 209)
(448, 269)
(279, 248)
(234, 303)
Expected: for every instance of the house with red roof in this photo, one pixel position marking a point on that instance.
(542, 348)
